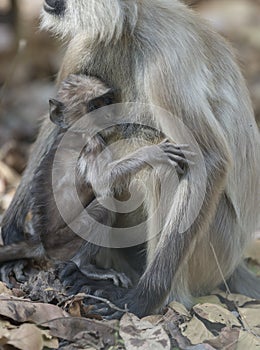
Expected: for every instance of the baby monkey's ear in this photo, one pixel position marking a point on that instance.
(109, 98)
(56, 109)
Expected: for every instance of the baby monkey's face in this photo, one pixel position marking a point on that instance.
(77, 96)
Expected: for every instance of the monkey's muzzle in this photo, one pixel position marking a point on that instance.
(54, 7)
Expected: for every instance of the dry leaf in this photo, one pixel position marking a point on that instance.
(9, 174)
(26, 337)
(141, 334)
(180, 309)
(2, 186)
(153, 319)
(6, 325)
(227, 339)
(196, 331)
(69, 327)
(74, 309)
(200, 347)
(25, 311)
(211, 299)
(216, 314)
(251, 318)
(238, 299)
(7, 199)
(48, 340)
(247, 341)
(171, 325)
(4, 289)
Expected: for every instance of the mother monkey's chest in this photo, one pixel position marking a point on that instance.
(119, 65)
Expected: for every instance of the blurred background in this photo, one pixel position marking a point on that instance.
(30, 59)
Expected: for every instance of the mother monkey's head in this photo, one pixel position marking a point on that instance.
(97, 18)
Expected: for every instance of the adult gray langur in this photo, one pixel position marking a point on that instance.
(159, 52)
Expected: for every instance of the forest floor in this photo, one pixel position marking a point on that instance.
(38, 314)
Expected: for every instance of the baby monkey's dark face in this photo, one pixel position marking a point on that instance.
(77, 96)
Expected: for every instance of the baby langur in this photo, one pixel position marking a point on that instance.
(77, 96)
(52, 237)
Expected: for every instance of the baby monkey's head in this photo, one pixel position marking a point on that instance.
(77, 96)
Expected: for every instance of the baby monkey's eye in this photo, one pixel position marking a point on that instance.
(92, 107)
(108, 101)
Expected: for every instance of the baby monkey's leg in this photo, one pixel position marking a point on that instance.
(81, 273)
